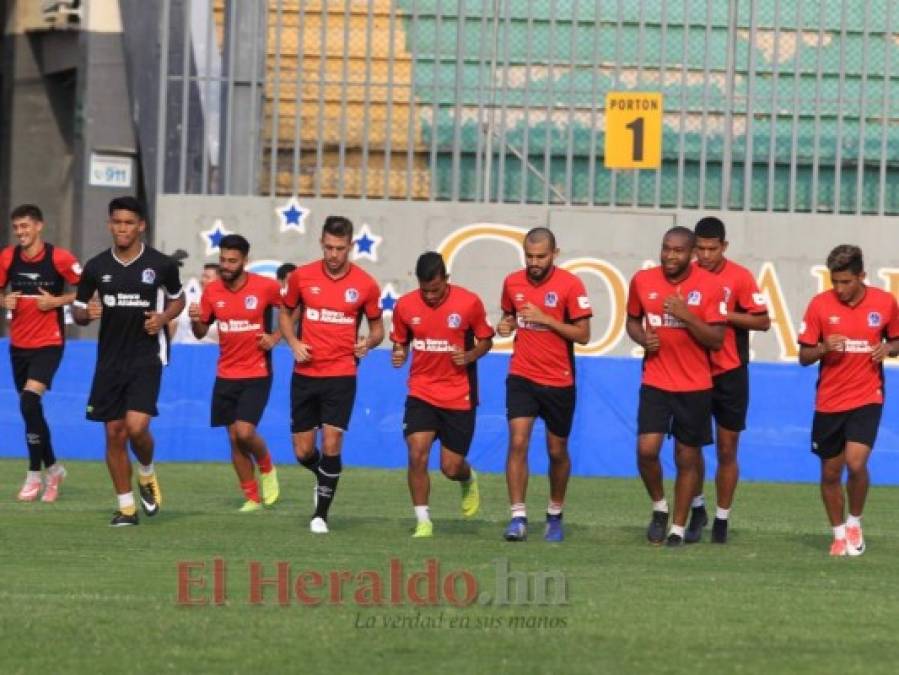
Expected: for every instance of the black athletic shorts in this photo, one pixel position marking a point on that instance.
(730, 398)
(315, 401)
(686, 415)
(454, 428)
(831, 431)
(526, 398)
(241, 400)
(118, 388)
(34, 364)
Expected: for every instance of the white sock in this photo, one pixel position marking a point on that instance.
(519, 510)
(661, 505)
(55, 469)
(853, 521)
(147, 470)
(839, 532)
(698, 500)
(422, 514)
(126, 500)
(33, 477)
(677, 529)
(722, 514)
(554, 509)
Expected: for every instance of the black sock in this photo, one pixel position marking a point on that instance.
(37, 433)
(328, 475)
(312, 462)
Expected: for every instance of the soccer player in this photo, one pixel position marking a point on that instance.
(746, 311)
(36, 273)
(328, 298)
(849, 331)
(139, 293)
(282, 273)
(242, 304)
(549, 311)
(446, 328)
(180, 330)
(676, 312)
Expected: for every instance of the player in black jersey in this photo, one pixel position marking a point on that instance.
(138, 292)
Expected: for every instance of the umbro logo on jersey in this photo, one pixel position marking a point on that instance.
(694, 298)
(315, 290)
(833, 320)
(148, 276)
(106, 278)
(219, 303)
(454, 320)
(652, 295)
(351, 295)
(416, 320)
(519, 297)
(34, 276)
(873, 319)
(551, 300)
(250, 302)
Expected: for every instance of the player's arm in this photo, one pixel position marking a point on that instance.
(709, 335)
(195, 312)
(506, 325)
(481, 347)
(86, 306)
(577, 331)
(375, 337)
(746, 321)
(287, 319)
(644, 336)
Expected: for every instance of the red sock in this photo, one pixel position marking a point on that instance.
(265, 464)
(250, 490)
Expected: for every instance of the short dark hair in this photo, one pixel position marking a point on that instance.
(710, 227)
(846, 257)
(682, 231)
(540, 234)
(132, 204)
(235, 242)
(211, 266)
(338, 226)
(27, 211)
(430, 266)
(284, 271)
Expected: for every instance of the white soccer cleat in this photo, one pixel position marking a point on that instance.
(318, 526)
(855, 541)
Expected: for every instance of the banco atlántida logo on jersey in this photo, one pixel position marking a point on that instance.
(238, 326)
(431, 345)
(125, 300)
(324, 315)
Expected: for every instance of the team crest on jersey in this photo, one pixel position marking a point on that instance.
(250, 302)
(148, 276)
(874, 319)
(694, 298)
(551, 299)
(727, 292)
(454, 320)
(351, 295)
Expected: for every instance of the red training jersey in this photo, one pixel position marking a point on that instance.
(48, 271)
(540, 354)
(741, 294)
(241, 315)
(332, 312)
(435, 333)
(681, 363)
(850, 379)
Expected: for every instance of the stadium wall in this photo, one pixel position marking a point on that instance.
(775, 446)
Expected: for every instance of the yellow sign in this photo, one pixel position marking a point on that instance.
(633, 130)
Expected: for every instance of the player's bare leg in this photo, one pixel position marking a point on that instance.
(559, 473)
(834, 502)
(857, 482)
(419, 444)
(686, 458)
(648, 448)
(520, 429)
(137, 426)
(119, 465)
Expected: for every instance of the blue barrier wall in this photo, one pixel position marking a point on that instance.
(775, 446)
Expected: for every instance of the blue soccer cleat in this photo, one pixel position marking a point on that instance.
(517, 529)
(554, 530)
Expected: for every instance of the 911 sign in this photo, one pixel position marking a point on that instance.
(115, 171)
(633, 130)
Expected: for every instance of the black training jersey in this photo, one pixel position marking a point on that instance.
(127, 292)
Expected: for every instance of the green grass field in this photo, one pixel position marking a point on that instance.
(76, 595)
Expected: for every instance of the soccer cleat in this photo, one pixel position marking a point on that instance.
(471, 497)
(553, 530)
(150, 496)
(719, 531)
(318, 525)
(119, 519)
(250, 506)
(29, 491)
(655, 533)
(698, 520)
(54, 480)
(270, 488)
(855, 541)
(423, 529)
(517, 529)
(674, 540)
(838, 548)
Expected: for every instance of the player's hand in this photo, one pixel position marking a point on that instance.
(460, 357)
(676, 306)
(302, 352)
(46, 300)
(652, 341)
(880, 352)
(266, 342)
(361, 348)
(505, 327)
(398, 356)
(154, 322)
(193, 311)
(533, 314)
(834, 343)
(10, 299)
(94, 309)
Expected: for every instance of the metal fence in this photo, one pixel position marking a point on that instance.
(772, 105)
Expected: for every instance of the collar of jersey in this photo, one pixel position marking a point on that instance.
(143, 247)
(349, 268)
(544, 280)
